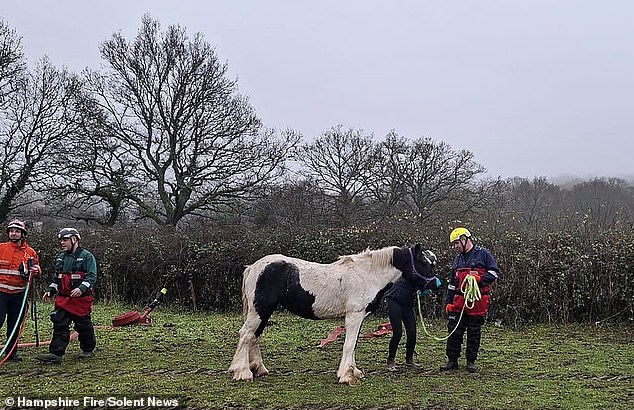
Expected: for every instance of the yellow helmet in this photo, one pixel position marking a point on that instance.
(457, 233)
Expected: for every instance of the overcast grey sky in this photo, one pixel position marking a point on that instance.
(532, 88)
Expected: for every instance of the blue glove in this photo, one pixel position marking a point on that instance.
(423, 293)
(437, 283)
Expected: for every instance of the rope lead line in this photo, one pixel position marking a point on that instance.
(471, 293)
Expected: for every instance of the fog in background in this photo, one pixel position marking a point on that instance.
(537, 88)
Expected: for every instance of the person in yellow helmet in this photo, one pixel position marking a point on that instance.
(472, 260)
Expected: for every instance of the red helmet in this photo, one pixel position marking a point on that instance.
(17, 224)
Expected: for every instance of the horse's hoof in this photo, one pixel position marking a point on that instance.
(350, 377)
(260, 371)
(350, 381)
(245, 375)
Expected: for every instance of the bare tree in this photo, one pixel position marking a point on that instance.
(439, 178)
(34, 127)
(492, 207)
(603, 202)
(340, 163)
(97, 178)
(96, 189)
(12, 63)
(294, 204)
(196, 145)
(386, 182)
(533, 202)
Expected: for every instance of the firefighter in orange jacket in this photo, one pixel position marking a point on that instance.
(476, 261)
(17, 261)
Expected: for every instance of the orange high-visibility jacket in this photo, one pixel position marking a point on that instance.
(12, 256)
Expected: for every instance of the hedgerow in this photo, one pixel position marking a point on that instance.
(545, 276)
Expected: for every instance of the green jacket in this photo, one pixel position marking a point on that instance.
(82, 266)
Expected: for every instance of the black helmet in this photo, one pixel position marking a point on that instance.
(68, 232)
(17, 224)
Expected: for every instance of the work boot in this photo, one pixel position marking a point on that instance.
(410, 363)
(450, 365)
(15, 357)
(391, 365)
(85, 355)
(471, 367)
(49, 358)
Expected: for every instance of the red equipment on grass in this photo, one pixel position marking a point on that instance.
(381, 330)
(332, 336)
(133, 317)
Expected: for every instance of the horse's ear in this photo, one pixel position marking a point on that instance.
(417, 248)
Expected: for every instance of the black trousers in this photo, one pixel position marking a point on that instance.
(470, 324)
(401, 316)
(10, 305)
(61, 332)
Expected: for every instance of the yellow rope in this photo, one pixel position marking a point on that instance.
(471, 293)
(470, 290)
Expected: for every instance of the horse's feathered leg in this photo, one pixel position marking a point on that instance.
(255, 358)
(348, 371)
(240, 365)
(255, 354)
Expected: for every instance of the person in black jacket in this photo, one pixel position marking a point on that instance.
(400, 307)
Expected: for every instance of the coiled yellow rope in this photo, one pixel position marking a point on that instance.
(471, 292)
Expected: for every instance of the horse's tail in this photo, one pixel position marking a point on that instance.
(245, 302)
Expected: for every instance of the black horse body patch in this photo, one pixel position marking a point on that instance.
(279, 282)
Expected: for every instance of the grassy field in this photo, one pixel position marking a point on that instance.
(184, 357)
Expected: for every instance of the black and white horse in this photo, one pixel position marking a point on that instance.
(351, 287)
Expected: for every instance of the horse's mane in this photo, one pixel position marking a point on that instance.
(380, 257)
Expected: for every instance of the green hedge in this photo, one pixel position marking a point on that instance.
(545, 277)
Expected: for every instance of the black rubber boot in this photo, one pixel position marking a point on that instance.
(471, 367)
(411, 364)
(450, 365)
(49, 358)
(15, 357)
(391, 365)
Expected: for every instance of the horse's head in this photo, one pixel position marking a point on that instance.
(417, 265)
